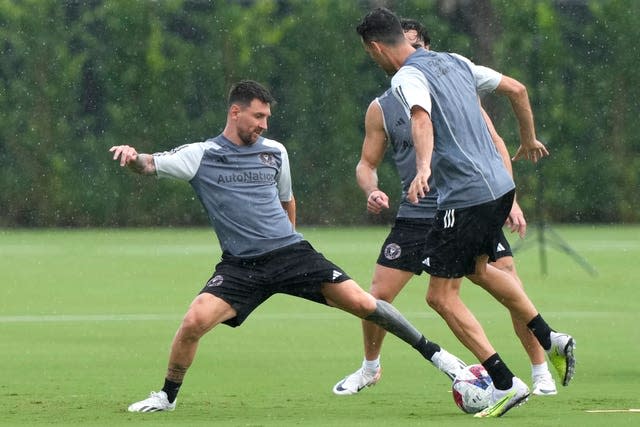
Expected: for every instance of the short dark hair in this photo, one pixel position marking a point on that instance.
(246, 91)
(381, 25)
(412, 24)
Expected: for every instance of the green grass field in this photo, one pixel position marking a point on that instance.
(87, 316)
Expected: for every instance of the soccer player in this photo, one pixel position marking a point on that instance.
(243, 181)
(475, 195)
(401, 253)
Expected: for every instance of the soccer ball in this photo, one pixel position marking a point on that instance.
(472, 389)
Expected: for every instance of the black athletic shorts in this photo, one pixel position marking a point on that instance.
(459, 236)
(245, 283)
(403, 249)
(503, 248)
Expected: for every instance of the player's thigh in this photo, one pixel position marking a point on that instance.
(350, 297)
(388, 282)
(443, 292)
(508, 265)
(207, 311)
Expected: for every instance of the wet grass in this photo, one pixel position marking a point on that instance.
(86, 318)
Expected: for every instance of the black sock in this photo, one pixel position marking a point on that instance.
(171, 389)
(499, 372)
(427, 348)
(541, 330)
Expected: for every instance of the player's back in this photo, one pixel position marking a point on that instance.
(466, 166)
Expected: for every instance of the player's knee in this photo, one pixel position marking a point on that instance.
(194, 325)
(507, 267)
(365, 306)
(478, 279)
(379, 292)
(438, 302)
(433, 301)
(360, 305)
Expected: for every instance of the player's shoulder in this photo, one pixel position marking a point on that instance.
(380, 104)
(273, 144)
(384, 95)
(460, 57)
(375, 104)
(408, 73)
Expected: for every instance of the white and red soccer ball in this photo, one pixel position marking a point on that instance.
(472, 389)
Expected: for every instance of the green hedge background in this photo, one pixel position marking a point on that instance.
(77, 77)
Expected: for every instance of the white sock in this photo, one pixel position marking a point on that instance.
(438, 358)
(371, 366)
(540, 369)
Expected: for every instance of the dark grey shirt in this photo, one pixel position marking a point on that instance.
(466, 166)
(241, 188)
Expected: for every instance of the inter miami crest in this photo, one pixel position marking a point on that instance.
(392, 251)
(215, 281)
(267, 159)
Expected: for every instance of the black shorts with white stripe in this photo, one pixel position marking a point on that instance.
(459, 236)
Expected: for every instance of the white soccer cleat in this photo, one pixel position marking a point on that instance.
(503, 400)
(448, 363)
(352, 384)
(561, 355)
(544, 385)
(156, 402)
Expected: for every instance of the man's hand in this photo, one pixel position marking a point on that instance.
(376, 201)
(419, 186)
(515, 220)
(139, 163)
(126, 154)
(534, 152)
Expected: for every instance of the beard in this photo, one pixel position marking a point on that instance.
(249, 137)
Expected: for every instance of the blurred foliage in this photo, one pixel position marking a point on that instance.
(80, 76)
